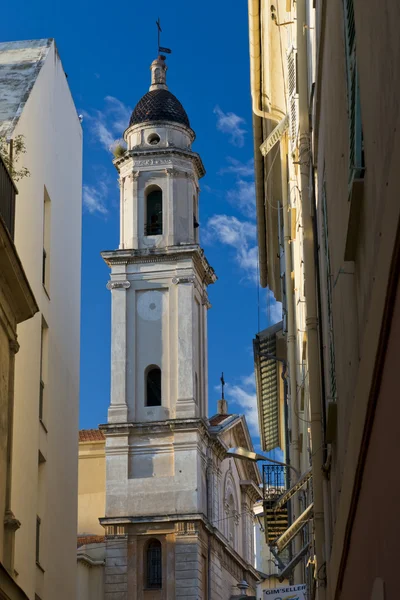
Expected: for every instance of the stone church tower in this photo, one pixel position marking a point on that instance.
(162, 456)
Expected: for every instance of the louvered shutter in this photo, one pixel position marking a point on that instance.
(329, 295)
(356, 159)
(293, 98)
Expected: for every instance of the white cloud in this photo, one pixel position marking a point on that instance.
(232, 125)
(239, 235)
(238, 168)
(243, 196)
(103, 133)
(273, 308)
(120, 113)
(244, 395)
(108, 124)
(94, 199)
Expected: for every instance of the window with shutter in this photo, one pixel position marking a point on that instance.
(356, 153)
(329, 303)
(293, 98)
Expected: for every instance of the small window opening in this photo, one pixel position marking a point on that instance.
(154, 213)
(153, 565)
(153, 387)
(38, 524)
(153, 139)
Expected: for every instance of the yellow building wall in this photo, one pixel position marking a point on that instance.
(91, 487)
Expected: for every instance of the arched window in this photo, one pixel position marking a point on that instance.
(153, 386)
(154, 215)
(232, 521)
(154, 565)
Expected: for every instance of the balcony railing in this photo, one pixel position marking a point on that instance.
(8, 192)
(274, 485)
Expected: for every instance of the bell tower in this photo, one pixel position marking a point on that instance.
(159, 275)
(156, 434)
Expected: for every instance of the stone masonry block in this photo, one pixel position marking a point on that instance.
(187, 583)
(116, 562)
(116, 595)
(115, 570)
(187, 565)
(121, 578)
(116, 553)
(115, 587)
(188, 593)
(188, 557)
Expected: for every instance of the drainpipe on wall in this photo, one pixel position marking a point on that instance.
(291, 345)
(255, 63)
(313, 357)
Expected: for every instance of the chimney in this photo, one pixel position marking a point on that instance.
(222, 407)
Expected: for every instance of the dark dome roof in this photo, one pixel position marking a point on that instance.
(159, 105)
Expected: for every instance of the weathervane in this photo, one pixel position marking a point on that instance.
(161, 48)
(223, 386)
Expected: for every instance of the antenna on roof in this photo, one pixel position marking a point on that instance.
(161, 49)
(223, 386)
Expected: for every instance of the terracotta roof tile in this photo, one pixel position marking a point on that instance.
(89, 539)
(91, 435)
(217, 419)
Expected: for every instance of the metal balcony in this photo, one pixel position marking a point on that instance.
(276, 521)
(8, 192)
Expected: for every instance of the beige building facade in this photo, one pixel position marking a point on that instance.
(356, 153)
(17, 304)
(282, 351)
(37, 104)
(340, 223)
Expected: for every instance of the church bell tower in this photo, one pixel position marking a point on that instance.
(155, 440)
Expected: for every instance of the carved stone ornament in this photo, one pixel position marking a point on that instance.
(177, 280)
(116, 285)
(173, 172)
(150, 162)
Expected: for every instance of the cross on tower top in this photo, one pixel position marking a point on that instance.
(161, 49)
(222, 386)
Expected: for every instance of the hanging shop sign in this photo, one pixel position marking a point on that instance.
(291, 592)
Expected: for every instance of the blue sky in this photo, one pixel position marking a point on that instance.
(106, 50)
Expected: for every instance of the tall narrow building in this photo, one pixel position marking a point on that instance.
(178, 516)
(37, 109)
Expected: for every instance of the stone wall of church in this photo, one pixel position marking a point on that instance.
(184, 554)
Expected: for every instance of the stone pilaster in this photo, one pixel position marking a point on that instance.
(116, 569)
(188, 574)
(185, 405)
(118, 409)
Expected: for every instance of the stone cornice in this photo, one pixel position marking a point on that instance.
(154, 255)
(116, 429)
(143, 158)
(251, 490)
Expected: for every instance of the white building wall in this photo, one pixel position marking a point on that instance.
(53, 139)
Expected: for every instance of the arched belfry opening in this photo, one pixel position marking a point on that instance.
(154, 211)
(153, 386)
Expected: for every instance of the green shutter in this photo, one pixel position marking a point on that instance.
(326, 257)
(356, 157)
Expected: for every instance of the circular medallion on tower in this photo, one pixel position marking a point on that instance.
(149, 305)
